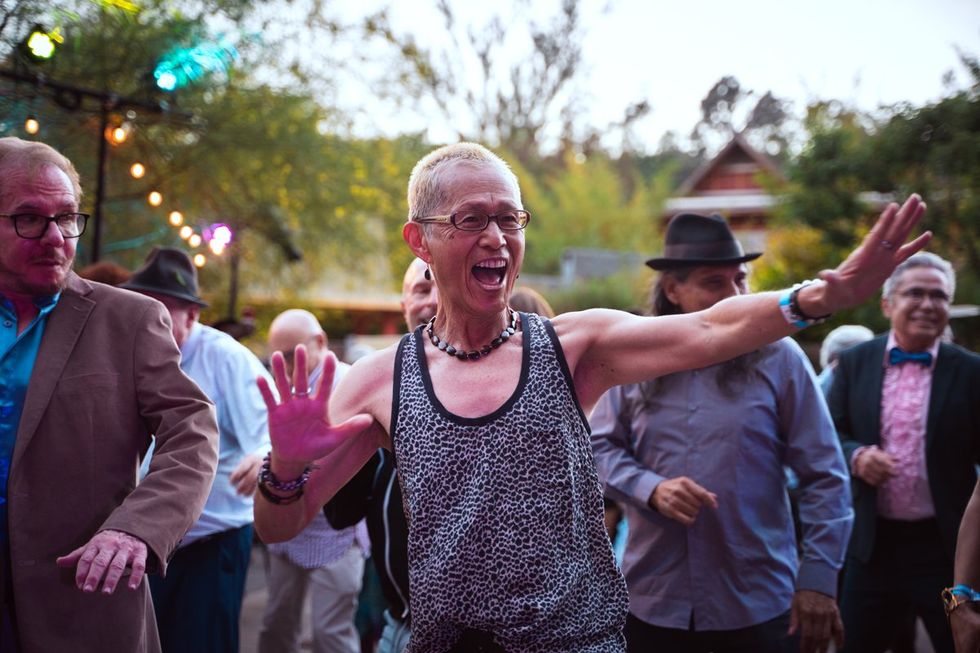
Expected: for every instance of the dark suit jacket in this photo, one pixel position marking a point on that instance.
(952, 433)
(106, 378)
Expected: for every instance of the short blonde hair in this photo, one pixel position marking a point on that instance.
(33, 156)
(426, 195)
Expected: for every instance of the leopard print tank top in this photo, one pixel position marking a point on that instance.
(506, 533)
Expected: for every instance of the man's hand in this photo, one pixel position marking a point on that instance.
(245, 477)
(105, 558)
(817, 618)
(681, 499)
(965, 622)
(874, 466)
(299, 422)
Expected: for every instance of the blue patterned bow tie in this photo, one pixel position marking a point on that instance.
(897, 356)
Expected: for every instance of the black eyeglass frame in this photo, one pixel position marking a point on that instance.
(16, 219)
(451, 219)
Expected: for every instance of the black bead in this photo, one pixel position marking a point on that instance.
(461, 355)
(505, 336)
(473, 355)
(486, 350)
(441, 345)
(496, 342)
(450, 350)
(511, 330)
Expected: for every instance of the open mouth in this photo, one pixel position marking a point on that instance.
(490, 273)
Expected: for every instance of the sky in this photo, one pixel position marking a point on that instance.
(865, 52)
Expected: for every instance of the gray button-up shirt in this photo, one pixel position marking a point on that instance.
(738, 565)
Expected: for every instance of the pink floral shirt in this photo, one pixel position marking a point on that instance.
(905, 392)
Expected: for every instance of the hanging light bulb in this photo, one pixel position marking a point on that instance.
(216, 246)
(194, 240)
(200, 260)
(137, 170)
(119, 133)
(31, 125)
(155, 198)
(176, 218)
(186, 232)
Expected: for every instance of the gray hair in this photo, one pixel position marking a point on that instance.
(920, 260)
(33, 156)
(426, 194)
(840, 339)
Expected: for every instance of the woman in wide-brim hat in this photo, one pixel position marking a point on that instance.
(485, 411)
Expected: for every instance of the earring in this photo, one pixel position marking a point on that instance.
(428, 274)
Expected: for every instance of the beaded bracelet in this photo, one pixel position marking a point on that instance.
(278, 500)
(267, 478)
(789, 305)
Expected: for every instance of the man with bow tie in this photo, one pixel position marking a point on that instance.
(907, 409)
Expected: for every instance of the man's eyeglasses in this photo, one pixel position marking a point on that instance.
(474, 221)
(918, 295)
(33, 226)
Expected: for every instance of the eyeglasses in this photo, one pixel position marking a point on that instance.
(33, 226)
(918, 295)
(475, 221)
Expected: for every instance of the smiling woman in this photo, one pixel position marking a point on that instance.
(507, 548)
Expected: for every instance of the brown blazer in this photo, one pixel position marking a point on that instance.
(107, 377)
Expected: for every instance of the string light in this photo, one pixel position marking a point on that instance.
(137, 170)
(217, 247)
(31, 125)
(155, 198)
(118, 134)
(176, 218)
(194, 240)
(200, 260)
(221, 233)
(185, 232)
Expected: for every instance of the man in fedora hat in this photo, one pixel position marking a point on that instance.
(88, 373)
(199, 601)
(697, 458)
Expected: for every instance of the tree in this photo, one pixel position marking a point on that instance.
(932, 149)
(728, 108)
(272, 163)
(513, 81)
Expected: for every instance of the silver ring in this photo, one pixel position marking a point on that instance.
(887, 245)
(302, 394)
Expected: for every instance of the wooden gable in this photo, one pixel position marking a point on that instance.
(729, 184)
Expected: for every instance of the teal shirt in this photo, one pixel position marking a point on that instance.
(17, 356)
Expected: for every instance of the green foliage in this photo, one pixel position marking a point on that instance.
(272, 163)
(933, 150)
(585, 204)
(626, 291)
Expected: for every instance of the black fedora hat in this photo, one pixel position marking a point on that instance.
(694, 239)
(167, 271)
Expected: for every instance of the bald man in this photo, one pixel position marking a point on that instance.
(330, 560)
(419, 295)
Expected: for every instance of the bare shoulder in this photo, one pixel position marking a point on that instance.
(578, 331)
(367, 388)
(581, 325)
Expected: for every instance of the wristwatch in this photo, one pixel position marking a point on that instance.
(955, 596)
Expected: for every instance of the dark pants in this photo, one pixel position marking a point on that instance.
(9, 640)
(907, 572)
(476, 641)
(199, 602)
(767, 637)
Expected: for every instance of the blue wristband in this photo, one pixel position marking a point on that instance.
(786, 307)
(964, 590)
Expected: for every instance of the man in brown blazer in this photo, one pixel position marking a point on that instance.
(88, 373)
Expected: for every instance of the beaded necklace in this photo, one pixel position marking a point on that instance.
(442, 345)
